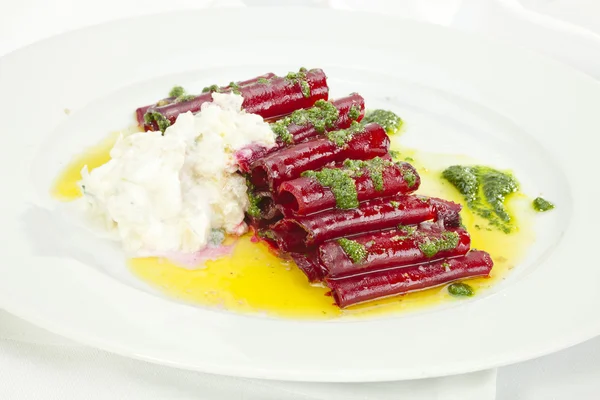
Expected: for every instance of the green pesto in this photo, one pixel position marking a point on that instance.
(409, 159)
(485, 190)
(407, 232)
(395, 154)
(323, 115)
(375, 166)
(542, 205)
(354, 250)
(341, 184)
(387, 119)
(269, 234)
(300, 78)
(185, 97)
(343, 136)
(253, 201)
(447, 241)
(263, 81)
(354, 112)
(212, 88)
(235, 88)
(409, 177)
(176, 91)
(460, 289)
(162, 121)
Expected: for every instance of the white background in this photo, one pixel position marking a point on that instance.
(37, 365)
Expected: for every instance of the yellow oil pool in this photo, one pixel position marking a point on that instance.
(253, 280)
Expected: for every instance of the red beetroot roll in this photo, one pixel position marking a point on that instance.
(361, 288)
(306, 195)
(350, 108)
(371, 141)
(299, 233)
(140, 112)
(280, 96)
(401, 246)
(308, 263)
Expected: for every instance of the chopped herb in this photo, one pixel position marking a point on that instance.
(354, 112)
(269, 234)
(375, 166)
(341, 184)
(395, 154)
(185, 97)
(387, 119)
(253, 201)
(409, 176)
(263, 81)
(176, 91)
(343, 136)
(162, 121)
(409, 159)
(395, 204)
(323, 115)
(212, 88)
(542, 205)
(300, 78)
(446, 266)
(235, 88)
(447, 241)
(485, 190)
(355, 251)
(460, 289)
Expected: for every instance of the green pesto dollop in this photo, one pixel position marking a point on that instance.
(323, 115)
(374, 166)
(387, 119)
(235, 88)
(253, 201)
(341, 184)
(176, 91)
(212, 88)
(460, 289)
(405, 232)
(431, 246)
(162, 121)
(409, 177)
(541, 205)
(354, 112)
(300, 78)
(343, 136)
(485, 191)
(354, 250)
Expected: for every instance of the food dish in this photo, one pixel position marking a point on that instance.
(322, 189)
(69, 282)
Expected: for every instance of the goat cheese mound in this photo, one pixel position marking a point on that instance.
(167, 193)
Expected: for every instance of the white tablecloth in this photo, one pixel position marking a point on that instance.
(35, 364)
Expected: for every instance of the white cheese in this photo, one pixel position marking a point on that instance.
(167, 193)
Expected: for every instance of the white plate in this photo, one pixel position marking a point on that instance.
(460, 93)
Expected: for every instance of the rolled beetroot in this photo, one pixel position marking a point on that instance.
(365, 143)
(375, 178)
(402, 246)
(141, 111)
(268, 97)
(338, 114)
(348, 291)
(299, 233)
